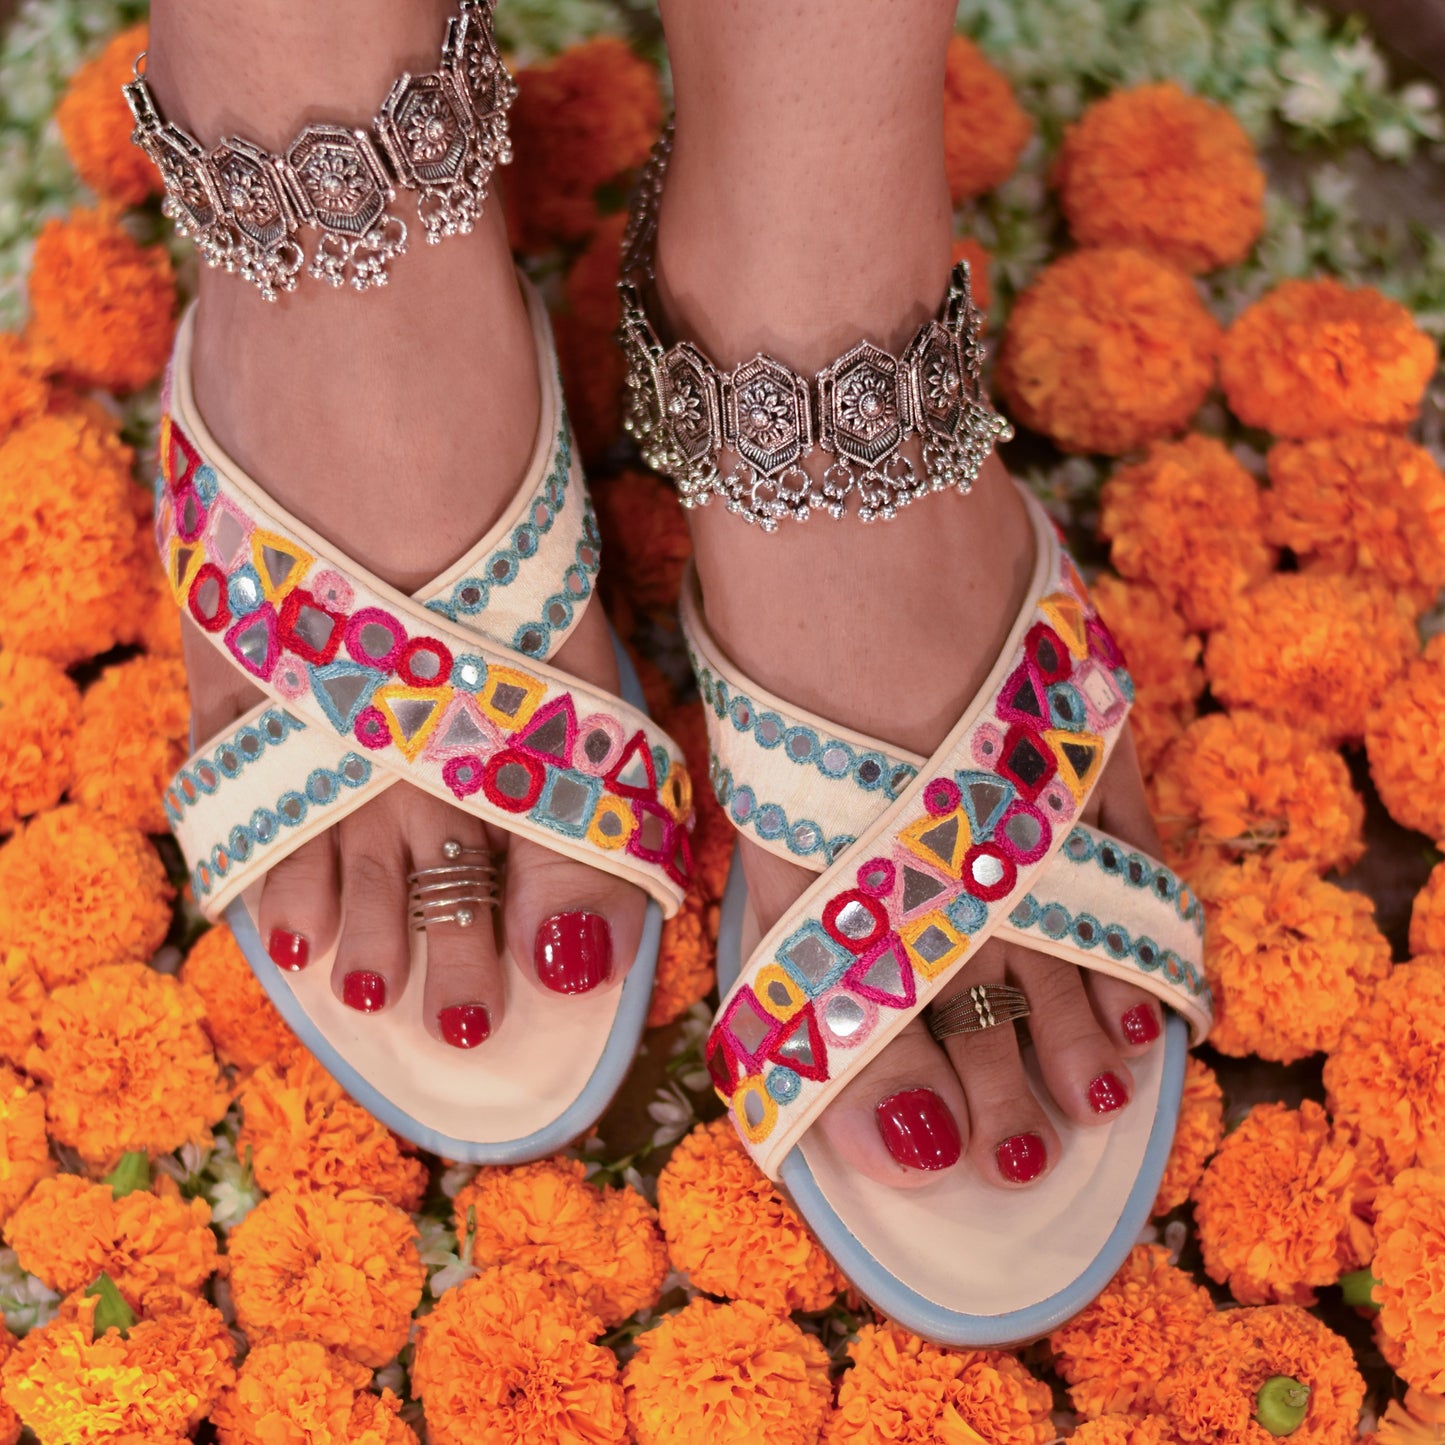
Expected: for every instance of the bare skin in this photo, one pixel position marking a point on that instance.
(806, 207)
(339, 406)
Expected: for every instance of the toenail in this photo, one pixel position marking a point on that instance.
(1140, 1024)
(1108, 1093)
(364, 991)
(288, 950)
(918, 1130)
(465, 1025)
(1021, 1158)
(573, 952)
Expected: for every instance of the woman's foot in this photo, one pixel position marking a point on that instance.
(397, 425)
(798, 218)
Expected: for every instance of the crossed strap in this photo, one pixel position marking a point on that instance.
(447, 690)
(922, 860)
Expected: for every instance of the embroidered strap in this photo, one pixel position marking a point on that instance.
(980, 842)
(367, 687)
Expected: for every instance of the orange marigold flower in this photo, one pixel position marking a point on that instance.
(22, 996)
(10, 1427)
(1165, 171)
(1427, 914)
(580, 121)
(733, 1233)
(1275, 1210)
(1108, 349)
(1314, 651)
(23, 391)
(1126, 1430)
(126, 1065)
(730, 1374)
(1409, 1265)
(71, 1230)
(1187, 520)
(1292, 958)
(644, 537)
(603, 1244)
(301, 1393)
(303, 1130)
(134, 734)
(120, 339)
(1201, 1127)
(1406, 745)
(1417, 1420)
(980, 264)
(1314, 357)
(1236, 783)
(1386, 1076)
(154, 1384)
(341, 1269)
(24, 1148)
(1113, 1355)
(1163, 657)
(510, 1359)
(904, 1391)
(1362, 502)
(41, 707)
(156, 621)
(78, 891)
(95, 124)
(985, 129)
(686, 961)
(242, 1022)
(68, 538)
(587, 351)
(1211, 1393)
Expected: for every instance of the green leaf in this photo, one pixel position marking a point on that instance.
(112, 1312)
(1282, 1404)
(132, 1174)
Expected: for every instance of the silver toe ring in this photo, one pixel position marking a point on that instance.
(454, 892)
(984, 1006)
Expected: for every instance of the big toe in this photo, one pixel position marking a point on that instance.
(903, 1121)
(570, 927)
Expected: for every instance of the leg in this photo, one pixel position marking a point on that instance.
(396, 424)
(806, 207)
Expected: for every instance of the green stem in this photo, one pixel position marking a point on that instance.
(1358, 1289)
(1282, 1404)
(132, 1174)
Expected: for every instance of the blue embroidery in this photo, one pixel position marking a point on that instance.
(274, 727)
(769, 821)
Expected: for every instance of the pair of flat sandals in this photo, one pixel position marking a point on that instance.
(919, 861)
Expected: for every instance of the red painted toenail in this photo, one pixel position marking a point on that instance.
(1108, 1093)
(1140, 1024)
(364, 991)
(290, 951)
(918, 1129)
(1021, 1158)
(465, 1025)
(573, 952)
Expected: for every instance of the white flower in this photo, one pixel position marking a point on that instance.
(671, 1110)
(24, 1301)
(455, 1179)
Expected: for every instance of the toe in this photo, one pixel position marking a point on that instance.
(372, 954)
(464, 993)
(300, 904)
(1082, 1067)
(903, 1120)
(1131, 1016)
(1011, 1141)
(570, 927)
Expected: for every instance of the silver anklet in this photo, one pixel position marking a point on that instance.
(861, 410)
(441, 135)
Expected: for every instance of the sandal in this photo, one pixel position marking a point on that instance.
(449, 691)
(921, 860)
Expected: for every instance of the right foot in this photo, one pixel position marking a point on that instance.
(888, 629)
(397, 425)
